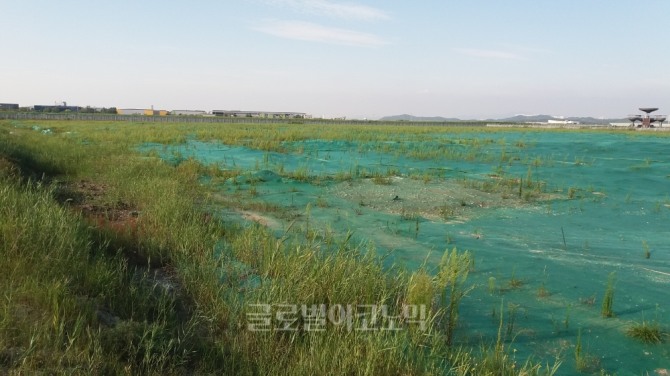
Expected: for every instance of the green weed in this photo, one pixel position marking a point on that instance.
(608, 298)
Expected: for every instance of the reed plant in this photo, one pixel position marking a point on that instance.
(580, 362)
(608, 297)
(542, 291)
(453, 271)
(584, 361)
(492, 285)
(646, 249)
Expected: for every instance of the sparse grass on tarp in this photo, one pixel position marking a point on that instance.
(645, 331)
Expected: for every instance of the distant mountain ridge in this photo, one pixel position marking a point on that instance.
(513, 119)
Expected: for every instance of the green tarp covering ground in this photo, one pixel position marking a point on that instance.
(548, 217)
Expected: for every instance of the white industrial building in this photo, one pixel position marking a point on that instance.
(188, 112)
(260, 114)
(130, 111)
(562, 122)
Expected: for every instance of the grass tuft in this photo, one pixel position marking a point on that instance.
(646, 332)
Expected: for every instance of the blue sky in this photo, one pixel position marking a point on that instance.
(359, 59)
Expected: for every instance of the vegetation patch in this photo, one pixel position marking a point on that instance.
(155, 248)
(113, 262)
(647, 332)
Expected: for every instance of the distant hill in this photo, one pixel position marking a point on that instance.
(513, 119)
(528, 118)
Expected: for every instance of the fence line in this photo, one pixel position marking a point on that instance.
(208, 119)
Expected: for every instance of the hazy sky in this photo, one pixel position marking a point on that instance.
(360, 59)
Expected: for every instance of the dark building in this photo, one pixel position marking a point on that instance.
(9, 106)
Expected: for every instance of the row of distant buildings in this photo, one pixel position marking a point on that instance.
(41, 108)
(63, 107)
(9, 106)
(227, 113)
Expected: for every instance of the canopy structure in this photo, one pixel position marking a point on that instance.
(646, 121)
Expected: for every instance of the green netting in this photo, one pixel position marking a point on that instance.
(548, 216)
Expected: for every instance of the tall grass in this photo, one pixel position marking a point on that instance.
(69, 305)
(170, 290)
(454, 269)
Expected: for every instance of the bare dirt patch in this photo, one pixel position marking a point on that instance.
(88, 198)
(407, 197)
(9, 168)
(260, 219)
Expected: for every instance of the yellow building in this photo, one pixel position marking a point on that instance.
(141, 111)
(152, 112)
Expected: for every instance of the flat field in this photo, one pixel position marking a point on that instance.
(458, 250)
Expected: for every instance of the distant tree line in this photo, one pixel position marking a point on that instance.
(100, 110)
